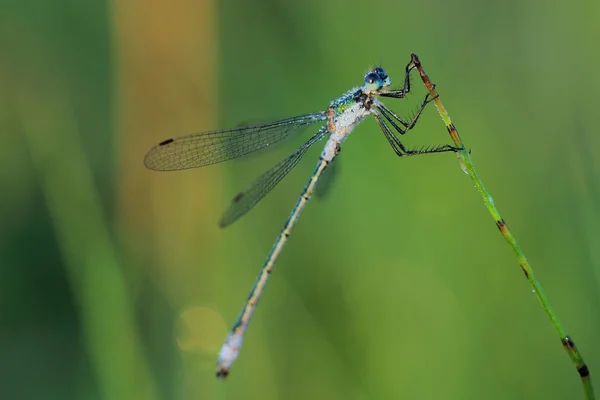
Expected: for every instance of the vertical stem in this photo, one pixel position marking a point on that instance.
(467, 164)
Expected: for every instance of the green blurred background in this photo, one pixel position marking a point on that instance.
(116, 283)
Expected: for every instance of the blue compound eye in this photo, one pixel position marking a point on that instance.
(377, 79)
(380, 71)
(382, 75)
(373, 81)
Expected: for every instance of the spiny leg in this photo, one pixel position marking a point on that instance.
(393, 118)
(400, 93)
(400, 149)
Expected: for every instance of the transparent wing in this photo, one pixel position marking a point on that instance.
(205, 148)
(327, 180)
(244, 201)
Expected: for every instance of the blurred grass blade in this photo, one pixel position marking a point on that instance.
(467, 166)
(95, 274)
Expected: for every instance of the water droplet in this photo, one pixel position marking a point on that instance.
(462, 164)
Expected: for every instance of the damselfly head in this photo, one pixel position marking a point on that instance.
(376, 79)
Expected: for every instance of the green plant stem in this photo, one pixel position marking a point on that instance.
(468, 167)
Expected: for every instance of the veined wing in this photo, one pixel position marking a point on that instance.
(244, 201)
(205, 148)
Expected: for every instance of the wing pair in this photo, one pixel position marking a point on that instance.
(206, 148)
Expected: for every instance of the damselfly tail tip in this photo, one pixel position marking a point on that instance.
(228, 354)
(222, 373)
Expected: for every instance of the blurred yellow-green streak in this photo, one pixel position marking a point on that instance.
(467, 165)
(166, 84)
(93, 268)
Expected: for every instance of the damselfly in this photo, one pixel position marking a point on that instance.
(340, 118)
